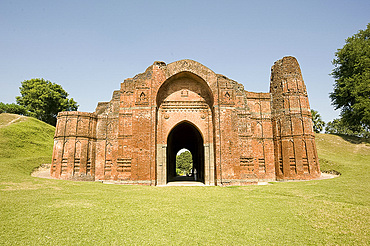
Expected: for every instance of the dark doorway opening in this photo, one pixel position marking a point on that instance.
(185, 136)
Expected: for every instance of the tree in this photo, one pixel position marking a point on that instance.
(352, 81)
(44, 99)
(184, 162)
(337, 126)
(12, 108)
(318, 123)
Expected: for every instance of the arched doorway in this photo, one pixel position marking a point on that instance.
(184, 119)
(185, 135)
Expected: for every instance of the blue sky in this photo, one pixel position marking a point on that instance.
(90, 47)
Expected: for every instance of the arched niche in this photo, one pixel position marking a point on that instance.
(185, 81)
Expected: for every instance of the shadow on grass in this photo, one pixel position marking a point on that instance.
(354, 139)
(327, 167)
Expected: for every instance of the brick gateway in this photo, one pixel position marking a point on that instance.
(236, 137)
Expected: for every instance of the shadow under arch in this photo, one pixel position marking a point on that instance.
(193, 82)
(185, 135)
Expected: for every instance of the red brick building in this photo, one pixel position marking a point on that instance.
(236, 137)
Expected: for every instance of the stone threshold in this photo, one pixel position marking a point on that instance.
(184, 183)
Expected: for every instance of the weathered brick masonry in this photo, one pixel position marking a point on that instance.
(236, 137)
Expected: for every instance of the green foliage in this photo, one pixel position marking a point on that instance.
(352, 81)
(12, 108)
(184, 162)
(318, 123)
(44, 99)
(179, 172)
(339, 126)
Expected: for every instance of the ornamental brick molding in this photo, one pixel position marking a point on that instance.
(236, 137)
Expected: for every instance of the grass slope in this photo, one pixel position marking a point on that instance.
(24, 144)
(36, 211)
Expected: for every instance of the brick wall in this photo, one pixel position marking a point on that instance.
(246, 137)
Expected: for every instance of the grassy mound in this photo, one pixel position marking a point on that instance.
(25, 143)
(35, 211)
(351, 157)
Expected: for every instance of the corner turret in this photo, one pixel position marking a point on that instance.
(295, 148)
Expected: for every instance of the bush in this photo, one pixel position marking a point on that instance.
(338, 126)
(12, 108)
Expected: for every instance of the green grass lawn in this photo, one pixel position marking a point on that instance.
(35, 211)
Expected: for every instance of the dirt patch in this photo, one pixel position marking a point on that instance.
(42, 171)
(8, 119)
(329, 174)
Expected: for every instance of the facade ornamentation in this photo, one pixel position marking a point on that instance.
(236, 137)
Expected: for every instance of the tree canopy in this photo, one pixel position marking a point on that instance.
(12, 108)
(352, 81)
(338, 127)
(184, 162)
(318, 123)
(44, 99)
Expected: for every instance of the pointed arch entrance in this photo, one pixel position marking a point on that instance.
(185, 136)
(185, 120)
